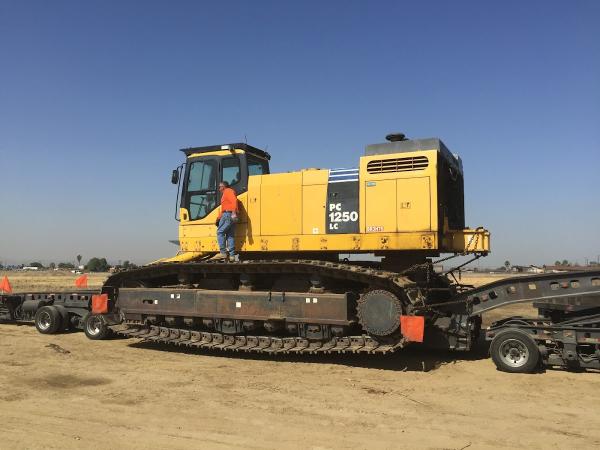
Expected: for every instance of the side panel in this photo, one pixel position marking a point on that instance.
(376, 183)
(380, 197)
(314, 192)
(313, 209)
(413, 197)
(136, 303)
(281, 204)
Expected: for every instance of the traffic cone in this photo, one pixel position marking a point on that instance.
(5, 286)
(81, 282)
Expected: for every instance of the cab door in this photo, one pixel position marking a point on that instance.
(234, 172)
(201, 188)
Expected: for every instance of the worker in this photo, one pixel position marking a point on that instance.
(226, 222)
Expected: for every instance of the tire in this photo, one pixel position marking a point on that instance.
(48, 320)
(94, 327)
(514, 351)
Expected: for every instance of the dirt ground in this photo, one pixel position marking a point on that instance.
(65, 391)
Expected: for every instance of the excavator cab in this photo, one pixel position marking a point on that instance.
(206, 167)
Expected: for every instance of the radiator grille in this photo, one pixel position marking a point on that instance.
(398, 164)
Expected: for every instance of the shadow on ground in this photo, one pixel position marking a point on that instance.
(414, 358)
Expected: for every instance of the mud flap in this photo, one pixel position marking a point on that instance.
(100, 304)
(412, 327)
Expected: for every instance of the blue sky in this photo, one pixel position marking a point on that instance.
(97, 97)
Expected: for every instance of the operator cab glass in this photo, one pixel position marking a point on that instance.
(208, 166)
(201, 188)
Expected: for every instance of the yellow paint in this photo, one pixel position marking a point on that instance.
(380, 207)
(281, 204)
(413, 209)
(314, 201)
(236, 151)
(286, 212)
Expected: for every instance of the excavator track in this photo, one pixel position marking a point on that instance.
(260, 344)
(180, 273)
(187, 275)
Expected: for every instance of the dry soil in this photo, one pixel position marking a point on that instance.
(64, 391)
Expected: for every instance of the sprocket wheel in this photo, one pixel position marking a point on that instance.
(379, 312)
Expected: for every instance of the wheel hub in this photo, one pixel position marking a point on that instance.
(93, 326)
(514, 353)
(44, 320)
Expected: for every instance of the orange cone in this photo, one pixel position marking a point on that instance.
(81, 282)
(5, 286)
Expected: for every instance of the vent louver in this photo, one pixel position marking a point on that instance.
(398, 164)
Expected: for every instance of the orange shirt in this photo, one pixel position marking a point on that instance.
(228, 201)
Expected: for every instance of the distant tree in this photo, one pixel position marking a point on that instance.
(79, 260)
(52, 266)
(557, 263)
(127, 265)
(66, 265)
(36, 264)
(564, 262)
(97, 265)
(507, 265)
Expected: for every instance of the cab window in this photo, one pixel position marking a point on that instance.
(231, 170)
(257, 166)
(202, 188)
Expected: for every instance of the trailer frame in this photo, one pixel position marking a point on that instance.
(51, 312)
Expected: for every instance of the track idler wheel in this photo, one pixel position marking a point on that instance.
(379, 312)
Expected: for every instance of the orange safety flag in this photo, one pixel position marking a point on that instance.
(81, 282)
(5, 285)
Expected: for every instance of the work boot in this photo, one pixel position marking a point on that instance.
(234, 258)
(219, 257)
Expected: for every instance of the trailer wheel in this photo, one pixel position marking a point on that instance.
(94, 327)
(48, 320)
(515, 352)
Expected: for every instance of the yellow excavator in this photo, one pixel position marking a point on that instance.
(300, 284)
(404, 202)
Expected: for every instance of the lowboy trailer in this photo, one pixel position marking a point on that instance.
(52, 312)
(566, 332)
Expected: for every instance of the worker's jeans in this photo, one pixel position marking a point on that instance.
(225, 234)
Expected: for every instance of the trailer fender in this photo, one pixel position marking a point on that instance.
(64, 314)
(30, 307)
